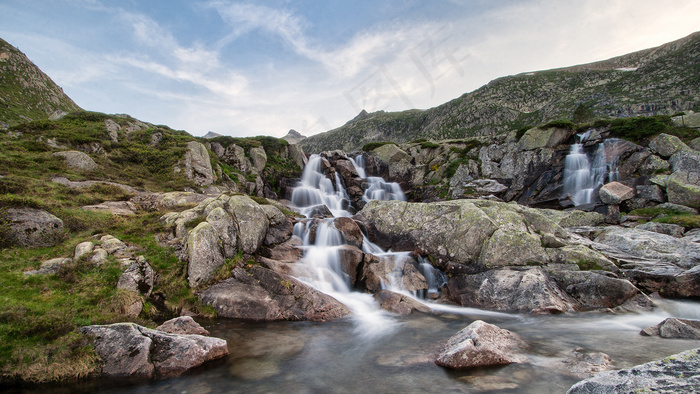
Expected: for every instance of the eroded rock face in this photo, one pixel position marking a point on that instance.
(261, 294)
(33, 227)
(197, 166)
(129, 350)
(674, 374)
(479, 345)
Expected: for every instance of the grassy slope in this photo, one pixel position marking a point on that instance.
(40, 315)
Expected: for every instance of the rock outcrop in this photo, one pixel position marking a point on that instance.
(78, 160)
(481, 344)
(130, 350)
(196, 164)
(674, 374)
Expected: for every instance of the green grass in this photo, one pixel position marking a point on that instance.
(370, 146)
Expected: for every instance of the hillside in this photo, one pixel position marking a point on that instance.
(26, 93)
(662, 80)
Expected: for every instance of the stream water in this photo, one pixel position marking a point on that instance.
(374, 351)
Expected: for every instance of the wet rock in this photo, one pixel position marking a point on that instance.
(350, 231)
(129, 350)
(33, 227)
(399, 303)
(524, 290)
(397, 271)
(481, 344)
(615, 193)
(261, 294)
(351, 257)
(78, 160)
(675, 328)
(674, 374)
(320, 210)
(184, 325)
(138, 277)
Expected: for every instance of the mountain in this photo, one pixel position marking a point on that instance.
(26, 93)
(294, 137)
(211, 135)
(661, 80)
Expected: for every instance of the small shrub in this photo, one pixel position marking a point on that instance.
(560, 124)
(429, 145)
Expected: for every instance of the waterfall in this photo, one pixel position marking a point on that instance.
(320, 265)
(378, 189)
(583, 178)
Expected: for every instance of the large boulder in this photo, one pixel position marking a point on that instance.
(666, 145)
(528, 290)
(399, 303)
(481, 344)
(261, 294)
(393, 271)
(197, 165)
(184, 325)
(683, 187)
(259, 158)
(129, 350)
(536, 138)
(594, 290)
(204, 254)
(679, 373)
(78, 160)
(33, 227)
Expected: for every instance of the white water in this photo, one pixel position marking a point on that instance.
(378, 189)
(320, 265)
(582, 179)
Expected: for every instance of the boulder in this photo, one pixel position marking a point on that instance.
(184, 325)
(593, 290)
(252, 220)
(685, 161)
(226, 230)
(138, 277)
(509, 290)
(683, 187)
(33, 227)
(113, 129)
(351, 258)
(615, 193)
(78, 160)
(129, 350)
(675, 328)
(666, 145)
(651, 193)
(204, 255)
(399, 303)
(112, 245)
(258, 158)
(674, 374)
(397, 272)
(297, 155)
(197, 165)
(481, 344)
(350, 231)
(261, 294)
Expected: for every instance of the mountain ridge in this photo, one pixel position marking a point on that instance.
(659, 80)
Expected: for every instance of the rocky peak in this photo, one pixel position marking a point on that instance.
(294, 137)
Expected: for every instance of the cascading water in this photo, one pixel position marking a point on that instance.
(581, 178)
(320, 265)
(378, 189)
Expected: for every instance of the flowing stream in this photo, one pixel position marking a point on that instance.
(375, 351)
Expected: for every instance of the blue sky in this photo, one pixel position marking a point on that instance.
(245, 68)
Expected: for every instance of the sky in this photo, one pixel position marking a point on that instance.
(247, 68)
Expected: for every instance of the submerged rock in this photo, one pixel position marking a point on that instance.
(679, 373)
(130, 350)
(479, 345)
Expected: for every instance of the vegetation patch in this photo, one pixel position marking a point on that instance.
(370, 146)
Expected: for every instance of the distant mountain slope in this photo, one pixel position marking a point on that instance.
(26, 93)
(661, 80)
